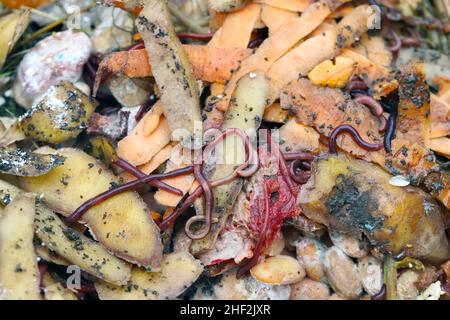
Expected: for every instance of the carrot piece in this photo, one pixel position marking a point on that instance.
(16, 4)
(325, 26)
(274, 17)
(138, 148)
(210, 64)
(376, 75)
(298, 137)
(217, 88)
(137, 37)
(183, 183)
(157, 160)
(301, 60)
(440, 117)
(441, 145)
(291, 32)
(215, 40)
(327, 108)
(342, 11)
(237, 27)
(216, 20)
(132, 63)
(292, 5)
(151, 120)
(218, 64)
(378, 78)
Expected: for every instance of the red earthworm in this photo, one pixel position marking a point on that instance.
(410, 41)
(357, 84)
(395, 47)
(383, 124)
(195, 36)
(283, 167)
(304, 156)
(128, 167)
(209, 148)
(300, 177)
(243, 170)
(181, 208)
(345, 128)
(252, 167)
(136, 46)
(375, 107)
(209, 205)
(370, 102)
(133, 185)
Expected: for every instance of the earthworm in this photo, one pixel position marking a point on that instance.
(195, 36)
(346, 128)
(209, 205)
(133, 185)
(299, 177)
(128, 167)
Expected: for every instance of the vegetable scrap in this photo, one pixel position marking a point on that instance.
(225, 149)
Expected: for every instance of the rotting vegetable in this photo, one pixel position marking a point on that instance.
(257, 149)
(355, 197)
